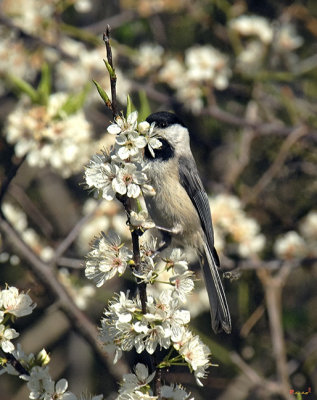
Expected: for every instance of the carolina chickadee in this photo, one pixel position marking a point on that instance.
(180, 208)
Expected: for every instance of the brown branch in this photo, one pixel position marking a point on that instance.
(262, 128)
(243, 158)
(275, 168)
(8, 179)
(47, 278)
(64, 245)
(37, 217)
(253, 376)
(15, 364)
(273, 286)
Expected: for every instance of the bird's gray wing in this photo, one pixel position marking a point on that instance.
(190, 180)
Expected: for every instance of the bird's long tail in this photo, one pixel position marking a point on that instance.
(219, 310)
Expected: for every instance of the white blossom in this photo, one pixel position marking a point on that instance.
(137, 380)
(149, 58)
(232, 224)
(308, 226)
(253, 25)
(48, 136)
(129, 180)
(205, 63)
(141, 220)
(107, 258)
(195, 353)
(15, 303)
(290, 245)
(6, 335)
(174, 392)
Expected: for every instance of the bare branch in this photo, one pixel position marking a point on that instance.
(64, 245)
(46, 276)
(275, 168)
(273, 286)
(9, 177)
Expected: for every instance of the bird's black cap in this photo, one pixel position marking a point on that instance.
(163, 119)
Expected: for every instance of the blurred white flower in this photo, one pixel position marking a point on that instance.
(232, 224)
(287, 39)
(86, 65)
(291, 245)
(308, 226)
(253, 25)
(83, 6)
(48, 138)
(14, 58)
(148, 58)
(15, 303)
(172, 73)
(33, 16)
(205, 63)
(251, 57)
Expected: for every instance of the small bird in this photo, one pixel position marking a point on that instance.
(180, 209)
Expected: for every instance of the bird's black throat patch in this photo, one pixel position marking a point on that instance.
(164, 153)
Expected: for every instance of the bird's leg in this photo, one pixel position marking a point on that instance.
(166, 237)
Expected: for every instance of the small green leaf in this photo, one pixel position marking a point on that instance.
(130, 105)
(103, 94)
(110, 70)
(45, 85)
(23, 87)
(145, 109)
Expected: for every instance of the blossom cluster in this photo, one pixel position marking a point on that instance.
(15, 304)
(122, 171)
(258, 34)
(300, 244)
(234, 227)
(47, 135)
(164, 324)
(162, 321)
(12, 304)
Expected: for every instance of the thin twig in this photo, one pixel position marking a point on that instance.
(64, 245)
(243, 158)
(16, 364)
(275, 168)
(254, 377)
(113, 77)
(33, 212)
